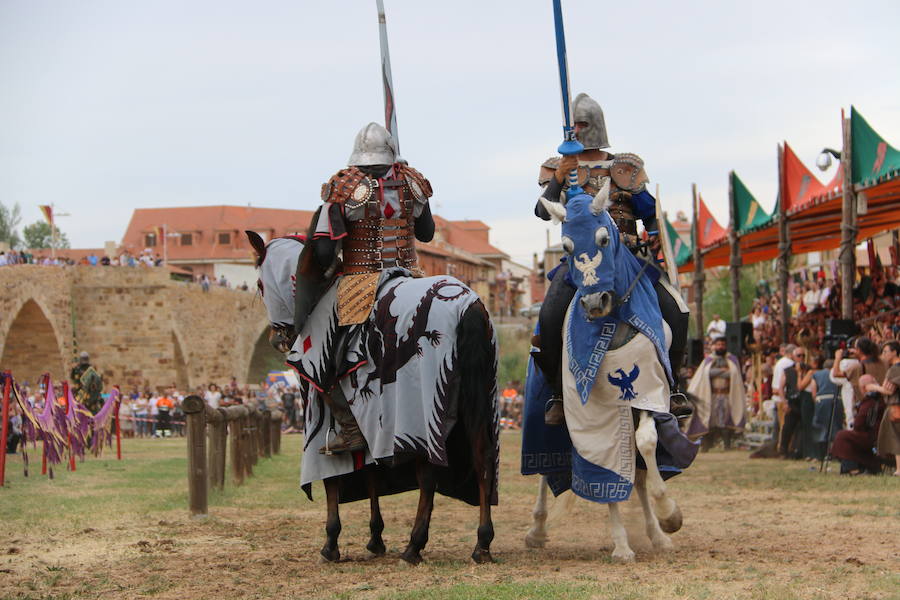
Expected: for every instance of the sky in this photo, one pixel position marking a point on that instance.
(109, 106)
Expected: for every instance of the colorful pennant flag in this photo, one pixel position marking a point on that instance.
(873, 158)
(681, 251)
(747, 211)
(47, 211)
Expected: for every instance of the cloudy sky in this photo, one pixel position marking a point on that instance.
(108, 106)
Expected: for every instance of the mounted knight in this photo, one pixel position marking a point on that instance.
(629, 201)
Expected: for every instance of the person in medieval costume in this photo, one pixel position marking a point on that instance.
(629, 201)
(719, 391)
(87, 384)
(373, 212)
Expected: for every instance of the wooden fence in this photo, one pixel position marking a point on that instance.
(254, 433)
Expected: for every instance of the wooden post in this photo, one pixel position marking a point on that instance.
(784, 247)
(4, 428)
(266, 429)
(277, 418)
(847, 254)
(215, 420)
(698, 265)
(195, 413)
(735, 264)
(234, 416)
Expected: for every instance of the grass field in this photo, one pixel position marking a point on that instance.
(752, 529)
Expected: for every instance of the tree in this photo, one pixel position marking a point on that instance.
(9, 223)
(39, 235)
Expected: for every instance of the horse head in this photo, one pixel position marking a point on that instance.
(591, 240)
(276, 264)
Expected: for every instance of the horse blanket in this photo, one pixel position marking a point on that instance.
(595, 455)
(399, 373)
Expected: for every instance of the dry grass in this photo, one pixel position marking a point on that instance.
(753, 529)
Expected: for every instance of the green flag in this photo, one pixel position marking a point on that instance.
(681, 251)
(748, 214)
(873, 158)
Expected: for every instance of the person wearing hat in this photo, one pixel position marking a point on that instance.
(87, 384)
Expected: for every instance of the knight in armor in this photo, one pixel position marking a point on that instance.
(87, 384)
(629, 201)
(373, 211)
(719, 391)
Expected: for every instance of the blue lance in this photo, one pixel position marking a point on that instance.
(390, 109)
(570, 145)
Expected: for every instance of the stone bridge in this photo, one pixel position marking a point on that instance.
(139, 326)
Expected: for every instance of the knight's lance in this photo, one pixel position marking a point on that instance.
(570, 145)
(390, 112)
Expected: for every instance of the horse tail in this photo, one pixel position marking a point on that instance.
(477, 353)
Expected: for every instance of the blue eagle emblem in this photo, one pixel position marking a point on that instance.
(625, 382)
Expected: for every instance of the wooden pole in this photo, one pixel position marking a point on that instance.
(847, 254)
(215, 433)
(266, 429)
(234, 416)
(4, 428)
(193, 407)
(735, 264)
(784, 247)
(277, 418)
(698, 265)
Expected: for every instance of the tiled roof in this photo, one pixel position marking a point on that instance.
(208, 221)
(463, 234)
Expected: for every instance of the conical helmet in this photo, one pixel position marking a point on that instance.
(586, 110)
(373, 146)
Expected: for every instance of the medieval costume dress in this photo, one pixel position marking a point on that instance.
(718, 386)
(854, 447)
(889, 431)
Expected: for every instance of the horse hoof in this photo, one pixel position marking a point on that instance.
(535, 540)
(672, 523)
(329, 556)
(482, 556)
(662, 543)
(623, 556)
(376, 548)
(410, 559)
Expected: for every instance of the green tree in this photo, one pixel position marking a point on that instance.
(39, 235)
(9, 223)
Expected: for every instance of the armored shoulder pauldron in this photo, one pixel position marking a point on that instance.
(349, 186)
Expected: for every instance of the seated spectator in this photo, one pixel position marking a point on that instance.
(855, 447)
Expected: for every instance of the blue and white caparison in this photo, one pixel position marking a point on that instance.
(615, 372)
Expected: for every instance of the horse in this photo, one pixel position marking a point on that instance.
(616, 374)
(457, 454)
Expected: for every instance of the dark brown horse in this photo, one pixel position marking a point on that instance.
(471, 471)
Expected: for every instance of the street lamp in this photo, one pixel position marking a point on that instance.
(824, 159)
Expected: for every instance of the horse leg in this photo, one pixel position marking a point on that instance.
(330, 552)
(666, 510)
(483, 453)
(660, 540)
(419, 536)
(622, 551)
(537, 535)
(376, 523)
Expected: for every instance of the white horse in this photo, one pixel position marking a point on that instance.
(615, 381)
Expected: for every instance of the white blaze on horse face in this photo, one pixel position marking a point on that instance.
(588, 267)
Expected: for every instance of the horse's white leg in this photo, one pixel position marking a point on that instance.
(660, 540)
(622, 551)
(667, 511)
(537, 535)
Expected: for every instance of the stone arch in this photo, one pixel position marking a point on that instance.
(263, 357)
(31, 344)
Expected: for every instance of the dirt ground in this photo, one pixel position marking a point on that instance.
(752, 529)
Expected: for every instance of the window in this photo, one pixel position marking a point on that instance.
(150, 240)
(225, 238)
(187, 239)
